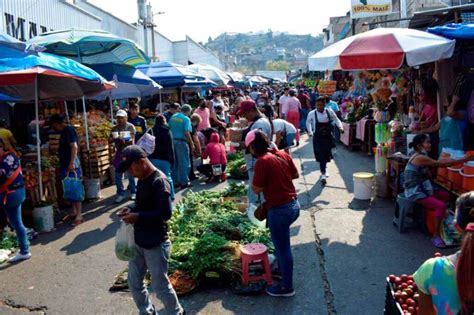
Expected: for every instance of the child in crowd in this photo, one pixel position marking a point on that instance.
(216, 152)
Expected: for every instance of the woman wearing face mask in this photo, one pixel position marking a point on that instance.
(418, 185)
(204, 113)
(446, 284)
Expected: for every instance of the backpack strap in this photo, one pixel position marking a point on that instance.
(4, 187)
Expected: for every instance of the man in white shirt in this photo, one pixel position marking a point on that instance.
(319, 127)
(254, 94)
(284, 132)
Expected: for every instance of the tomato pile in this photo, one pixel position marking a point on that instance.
(405, 293)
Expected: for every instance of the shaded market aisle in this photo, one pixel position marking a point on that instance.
(72, 270)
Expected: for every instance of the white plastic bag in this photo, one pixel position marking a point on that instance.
(147, 142)
(125, 247)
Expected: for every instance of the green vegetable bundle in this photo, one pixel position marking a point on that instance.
(235, 190)
(233, 169)
(206, 233)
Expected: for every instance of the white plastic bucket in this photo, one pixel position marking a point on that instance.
(363, 185)
(92, 188)
(43, 219)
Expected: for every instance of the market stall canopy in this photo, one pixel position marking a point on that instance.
(92, 47)
(235, 76)
(454, 31)
(130, 82)
(170, 75)
(211, 72)
(58, 77)
(382, 48)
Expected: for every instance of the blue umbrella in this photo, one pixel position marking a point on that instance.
(92, 47)
(169, 75)
(29, 75)
(130, 81)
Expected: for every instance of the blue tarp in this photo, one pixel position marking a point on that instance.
(454, 31)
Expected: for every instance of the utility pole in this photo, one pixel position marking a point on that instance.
(150, 17)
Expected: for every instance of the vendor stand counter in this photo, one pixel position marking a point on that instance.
(365, 132)
(348, 138)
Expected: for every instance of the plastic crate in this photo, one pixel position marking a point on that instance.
(391, 306)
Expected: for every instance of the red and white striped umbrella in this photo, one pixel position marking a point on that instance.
(382, 48)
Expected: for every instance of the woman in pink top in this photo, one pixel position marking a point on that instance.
(291, 112)
(204, 113)
(216, 153)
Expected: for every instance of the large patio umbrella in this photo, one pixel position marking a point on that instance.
(92, 47)
(28, 75)
(171, 75)
(382, 48)
(211, 72)
(130, 82)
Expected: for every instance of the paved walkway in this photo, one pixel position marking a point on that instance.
(343, 249)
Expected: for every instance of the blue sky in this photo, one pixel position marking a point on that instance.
(203, 18)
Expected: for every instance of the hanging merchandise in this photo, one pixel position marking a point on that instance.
(382, 133)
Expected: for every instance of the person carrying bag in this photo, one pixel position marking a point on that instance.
(281, 203)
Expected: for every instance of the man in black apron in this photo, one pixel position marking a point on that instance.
(319, 126)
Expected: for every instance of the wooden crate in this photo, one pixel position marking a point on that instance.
(96, 163)
(53, 143)
(49, 191)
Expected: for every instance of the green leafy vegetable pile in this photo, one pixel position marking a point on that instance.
(235, 190)
(234, 162)
(206, 233)
(8, 241)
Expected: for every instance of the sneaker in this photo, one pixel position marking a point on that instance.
(279, 291)
(119, 199)
(324, 177)
(133, 197)
(19, 257)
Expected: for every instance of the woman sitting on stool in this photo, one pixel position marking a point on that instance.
(418, 185)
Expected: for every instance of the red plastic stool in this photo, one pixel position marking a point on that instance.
(255, 253)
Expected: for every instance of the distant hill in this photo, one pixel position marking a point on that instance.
(255, 50)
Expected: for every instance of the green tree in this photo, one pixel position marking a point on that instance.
(278, 66)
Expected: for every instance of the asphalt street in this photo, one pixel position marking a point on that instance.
(343, 250)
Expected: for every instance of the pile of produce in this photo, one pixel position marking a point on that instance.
(206, 232)
(234, 162)
(405, 293)
(99, 127)
(235, 190)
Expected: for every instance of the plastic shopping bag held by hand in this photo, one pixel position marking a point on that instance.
(72, 187)
(125, 248)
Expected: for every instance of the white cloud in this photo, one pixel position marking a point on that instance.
(203, 18)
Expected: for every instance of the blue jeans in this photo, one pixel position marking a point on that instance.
(279, 220)
(13, 209)
(156, 261)
(182, 164)
(165, 167)
(119, 184)
(303, 116)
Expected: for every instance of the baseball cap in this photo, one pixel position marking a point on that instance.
(245, 107)
(129, 155)
(250, 137)
(121, 113)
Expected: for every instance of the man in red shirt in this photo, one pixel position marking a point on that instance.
(305, 108)
(274, 172)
